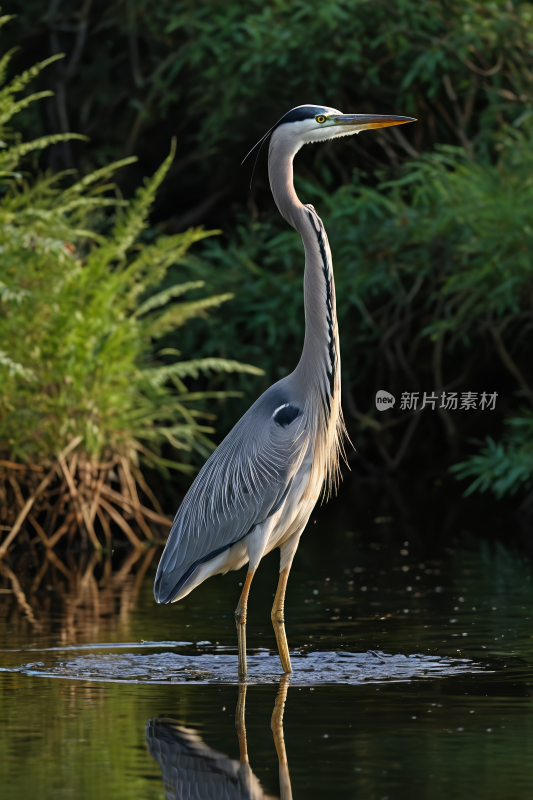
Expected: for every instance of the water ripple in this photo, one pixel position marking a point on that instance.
(263, 667)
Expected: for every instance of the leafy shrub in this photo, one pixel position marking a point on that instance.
(80, 313)
(434, 286)
(505, 467)
(432, 271)
(218, 74)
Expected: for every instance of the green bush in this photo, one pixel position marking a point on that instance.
(80, 316)
(505, 467)
(434, 286)
(432, 267)
(219, 73)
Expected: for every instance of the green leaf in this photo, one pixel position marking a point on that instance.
(157, 376)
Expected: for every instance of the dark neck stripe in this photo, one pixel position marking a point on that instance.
(326, 271)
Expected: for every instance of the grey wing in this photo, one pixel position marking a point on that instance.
(243, 483)
(192, 770)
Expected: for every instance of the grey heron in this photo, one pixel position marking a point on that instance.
(192, 769)
(258, 489)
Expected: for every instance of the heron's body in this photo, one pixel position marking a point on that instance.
(264, 500)
(258, 489)
(194, 771)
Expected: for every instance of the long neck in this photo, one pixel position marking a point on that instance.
(319, 364)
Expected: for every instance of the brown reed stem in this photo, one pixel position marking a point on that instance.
(135, 501)
(20, 596)
(121, 522)
(118, 498)
(31, 500)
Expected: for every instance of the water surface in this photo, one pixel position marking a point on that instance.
(412, 650)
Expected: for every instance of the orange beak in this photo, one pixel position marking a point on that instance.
(365, 121)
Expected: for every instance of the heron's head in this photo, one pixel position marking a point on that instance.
(305, 124)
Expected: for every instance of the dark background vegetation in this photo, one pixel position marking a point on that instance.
(429, 223)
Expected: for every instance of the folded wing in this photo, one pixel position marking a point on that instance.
(245, 481)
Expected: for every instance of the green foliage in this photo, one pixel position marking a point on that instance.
(505, 467)
(428, 223)
(449, 242)
(433, 274)
(218, 74)
(80, 312)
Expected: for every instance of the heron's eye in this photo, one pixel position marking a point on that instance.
(320, 118)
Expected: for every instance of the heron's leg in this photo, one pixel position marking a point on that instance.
(240, 723)
(279, 740)
(240, 620)
(278, 620)
(245, 770)
(287, 552)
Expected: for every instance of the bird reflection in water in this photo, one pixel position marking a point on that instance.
(194, 771)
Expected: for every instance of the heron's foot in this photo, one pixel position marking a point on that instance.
(278, 621)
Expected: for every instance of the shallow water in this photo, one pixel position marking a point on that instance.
(412, 649)
(309, 669)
